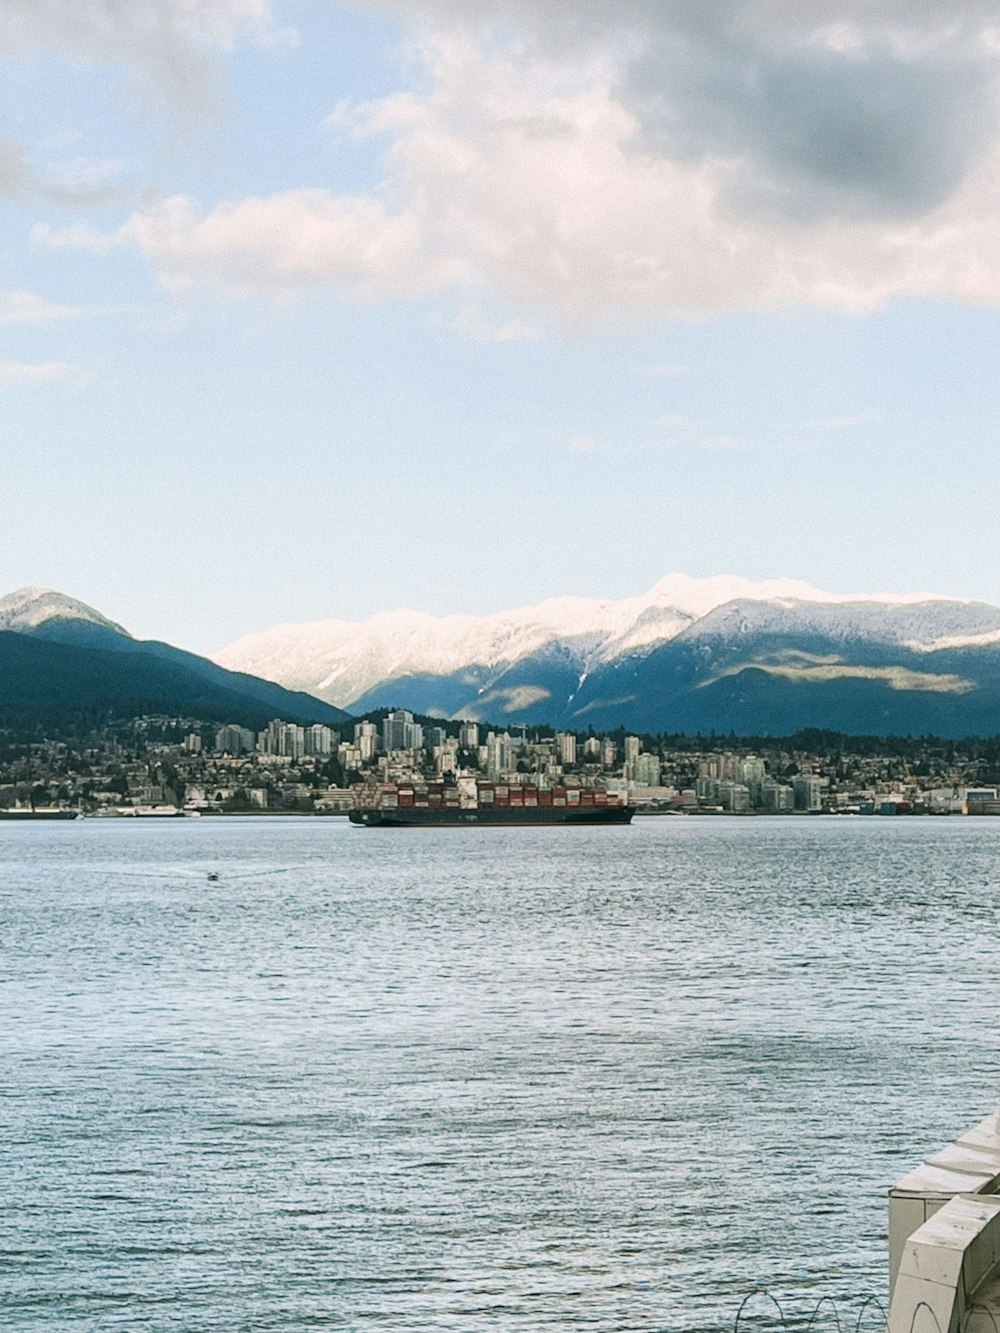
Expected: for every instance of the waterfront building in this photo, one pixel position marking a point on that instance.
(808, 792)
(734, 797)
(776, 797)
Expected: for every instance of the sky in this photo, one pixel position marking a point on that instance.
(314, 309)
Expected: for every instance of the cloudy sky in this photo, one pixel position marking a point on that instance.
(319, 308)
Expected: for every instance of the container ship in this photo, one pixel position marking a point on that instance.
(469, 801)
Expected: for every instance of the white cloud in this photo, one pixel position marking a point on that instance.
(618, 163)
(79, 236)
(280, 245)
(29, 308)
(167, 42)
(471, 322)
(22, 375)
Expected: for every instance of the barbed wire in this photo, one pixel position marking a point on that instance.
(845, 1320)
(976, 1319)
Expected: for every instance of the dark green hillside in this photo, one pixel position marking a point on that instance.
(58, 684)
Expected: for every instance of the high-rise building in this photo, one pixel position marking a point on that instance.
(733, 796)
(498, 754)
(592, 748)
(633, 748)
(434, 737)
(646, 770)
(319, 740)
(468, 736)
(234, 740)
(284, 739)
(366, 740)
(751, 769)
(566, 745)
(808, 792)
(752, 772)
(775, 796)
(400, 732)
(609, 753)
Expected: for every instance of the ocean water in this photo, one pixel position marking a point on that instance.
(607, 1080)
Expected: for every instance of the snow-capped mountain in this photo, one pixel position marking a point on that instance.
(691, 655)
(573, 660)
(59, 658)
(31, 610)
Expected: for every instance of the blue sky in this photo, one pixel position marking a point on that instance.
(316, 309)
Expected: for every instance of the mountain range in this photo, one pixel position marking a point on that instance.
(61, 662)
(691, 655)
(720, 654)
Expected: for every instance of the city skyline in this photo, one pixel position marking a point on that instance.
(300, 301)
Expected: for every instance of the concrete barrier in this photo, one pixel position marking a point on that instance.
(944, 1239)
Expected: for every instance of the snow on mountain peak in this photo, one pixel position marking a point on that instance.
(28, 608)
(700, 596)
(341, 660)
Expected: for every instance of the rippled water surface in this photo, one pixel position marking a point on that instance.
(473, 1079)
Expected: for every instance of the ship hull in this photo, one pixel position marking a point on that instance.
(21, 816)
(498, 817)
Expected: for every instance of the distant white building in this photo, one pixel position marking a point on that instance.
(286, 740)
(498, 754)
(366, 740)
(566, 745)
(645, 769)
